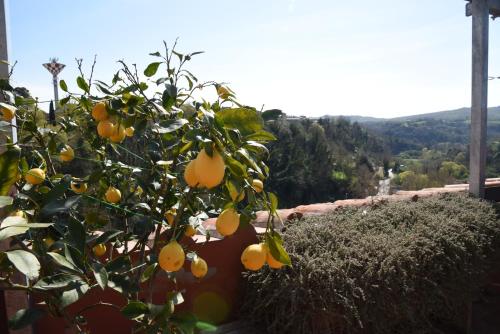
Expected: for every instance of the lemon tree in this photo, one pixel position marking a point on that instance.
(103, 199)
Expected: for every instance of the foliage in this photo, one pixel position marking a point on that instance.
(126, 196)
(405, 267)
(321, 161)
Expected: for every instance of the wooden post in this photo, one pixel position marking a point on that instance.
(480, 25)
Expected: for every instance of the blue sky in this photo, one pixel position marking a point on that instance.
(381, 58)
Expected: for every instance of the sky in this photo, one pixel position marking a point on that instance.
(383, 58)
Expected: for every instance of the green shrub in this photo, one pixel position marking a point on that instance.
(406, 267)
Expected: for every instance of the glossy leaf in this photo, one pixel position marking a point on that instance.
(82, 84)
(135, 309)
(246, 120)
(25, 262)
(63, 85)
(100, 274)
(9, 161)
(276, 247)
(5, 201)
(151, 69)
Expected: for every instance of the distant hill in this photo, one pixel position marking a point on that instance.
(462, 114)
(455, 115)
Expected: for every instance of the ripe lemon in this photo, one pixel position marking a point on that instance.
(190, 175)
(67, 154)
(257, 185)
(99, 250)
(113, 195)
(235, 196)
(254, 256)
(8, 112)
(228, 221)
(79, 187)
(35, 176)
(129, 132)
(209, 170)
(48, 241)
(271, 261)
(199, 267)
(171, 257)
(190, 231)
(105, 128)
(223, 92)
(118, 134)
(99, 112)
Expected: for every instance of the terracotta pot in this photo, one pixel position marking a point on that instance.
(215, 298)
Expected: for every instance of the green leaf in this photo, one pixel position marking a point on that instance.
(63, 85)
(9, 160)
(5, 200)
(58, 281)
(25, 262)
(62, 261)
(77, 235)
(59, 205)
(275, 244)
(170, 125)
(12, 231)
(169, 96)
(25, 317)
(14, 221)
(261, 136)
(82, 84)
(100, 274)
(205, 326)
(246, 120)
(69, 297)
(151, 69)
(274, 201)
(236, 167)
(58, 190)
(146, 275)
(135, 309)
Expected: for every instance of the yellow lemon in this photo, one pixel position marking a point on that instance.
(209, 170)
(228, 221)
(67, 154)
(190, 175)
(8, 112)
(118, 134)
(190, 231)
(105, 128)
(99, 250)
(171, 257)
(35, 176)
(271, 261)
(199, 267)
(99, 112)
(254, 256)
(113, 195)
(79, 187)
(129, 132)
(257, 185)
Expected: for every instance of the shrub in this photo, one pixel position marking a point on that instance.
(403, 267)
